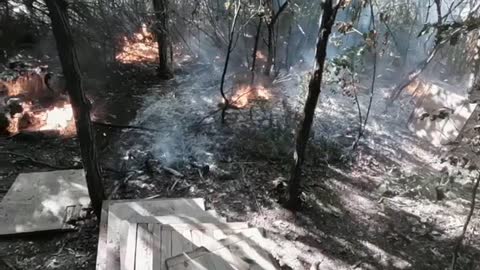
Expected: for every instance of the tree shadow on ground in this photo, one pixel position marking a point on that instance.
(366, 234)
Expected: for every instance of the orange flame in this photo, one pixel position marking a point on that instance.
(58, 118)
(244, 95)
(261, 56)
(142, 48)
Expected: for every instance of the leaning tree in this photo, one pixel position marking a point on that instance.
(314, 88)
(81, 105)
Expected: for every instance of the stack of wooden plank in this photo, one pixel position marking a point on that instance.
(176, 234)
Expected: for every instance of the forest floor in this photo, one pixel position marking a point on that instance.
(375, 209)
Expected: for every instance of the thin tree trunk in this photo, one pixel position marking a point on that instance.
(161, 12)
(7, 14)
(374, 77)
(227, 60)
(314, 89)
(271, 33)
(268, 65)
(80, 104)
(287, 47)
(255, 49)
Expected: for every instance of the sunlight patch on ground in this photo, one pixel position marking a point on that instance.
(328, 208)
(385, 259)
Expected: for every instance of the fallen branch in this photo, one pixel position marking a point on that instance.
(97, 123)
(465, 226)
(172, 171)
(38, 162)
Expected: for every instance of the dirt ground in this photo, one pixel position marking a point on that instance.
(376, 209)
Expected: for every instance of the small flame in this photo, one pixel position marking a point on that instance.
(58, 118)
(261, 56)
(245, 94)
(142, 48)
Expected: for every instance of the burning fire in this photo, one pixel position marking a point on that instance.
(261, 56)
(141, 48)
(29, 104)
(58, 118)
(244, 95)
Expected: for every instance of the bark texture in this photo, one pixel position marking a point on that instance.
(81, 105)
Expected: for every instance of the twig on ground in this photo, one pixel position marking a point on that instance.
(465, 226)
(38, 162)
(172, 171)
(153, 197)
(122, 126)
(174, 184)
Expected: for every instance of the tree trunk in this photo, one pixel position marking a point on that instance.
(231, 36)
(268, 65)
(7, 14)
(287, 47)
(255, 49)
(314, 89)
(80, 104)
(271, 34)
(161, 14)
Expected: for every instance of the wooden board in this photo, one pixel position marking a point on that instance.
(200, 259)
(165, 241)
(144, 247)
(40, 201)
(241, 251)
(101, 264)
(102, 238)
(121, 213)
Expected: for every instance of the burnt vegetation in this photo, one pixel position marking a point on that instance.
(348, 129)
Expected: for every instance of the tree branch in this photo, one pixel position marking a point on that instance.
(280, 10)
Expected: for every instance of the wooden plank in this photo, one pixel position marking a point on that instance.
(131, 210)
(205, 238)
(144, 250)
(197, 238)
(102, 238)
(207, 226)
(243, 251)
(201, 259)
(177, 243)
(165, 247)
(157, 246)
(128, 249)
(201, 217)
(187, 244)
